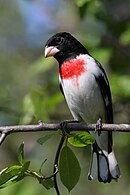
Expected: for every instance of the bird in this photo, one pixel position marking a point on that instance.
(86, 89)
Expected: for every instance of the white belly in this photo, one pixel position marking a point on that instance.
(84, 99)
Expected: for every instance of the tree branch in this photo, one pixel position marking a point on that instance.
(6, 130)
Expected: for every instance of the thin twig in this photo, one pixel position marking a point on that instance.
(56, 162)
(55, 172)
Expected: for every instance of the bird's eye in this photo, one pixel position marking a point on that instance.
(59, 40)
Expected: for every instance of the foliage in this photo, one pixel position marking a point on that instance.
(29, 84)
(69, 167)
(16, 173)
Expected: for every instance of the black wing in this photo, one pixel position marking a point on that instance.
(106, 93)
(61, 88)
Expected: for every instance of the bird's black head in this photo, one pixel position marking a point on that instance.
(64, 46)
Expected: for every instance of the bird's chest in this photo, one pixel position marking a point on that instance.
(81, 90)
(83, 96)
(72, 70)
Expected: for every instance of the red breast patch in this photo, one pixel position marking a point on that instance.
(72, 70)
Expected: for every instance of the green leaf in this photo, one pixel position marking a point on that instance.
(48, 183)
(13, 174)
(69, 168)
(21, 154)
(24, 168)
(9, 176)
(45, 138)
(81, 139)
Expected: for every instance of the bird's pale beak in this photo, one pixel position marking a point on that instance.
(50, 51)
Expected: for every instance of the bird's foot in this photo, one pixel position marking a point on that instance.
(90, 177)
(98, 126)
(63, 125)
(40, 122)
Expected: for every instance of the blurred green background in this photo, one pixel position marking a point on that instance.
(29, 88)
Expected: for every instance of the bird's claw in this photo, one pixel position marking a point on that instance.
(98, 126)
(40, 122)
(90, 177)
(63, 125)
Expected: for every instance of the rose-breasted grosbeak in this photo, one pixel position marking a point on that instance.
(86, 89)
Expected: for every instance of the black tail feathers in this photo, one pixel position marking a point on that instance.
(104, 166)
